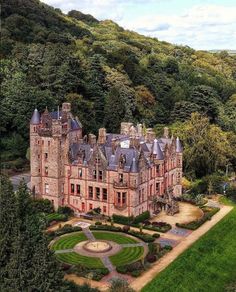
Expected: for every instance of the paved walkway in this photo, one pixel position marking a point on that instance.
(89, 234)
(64, 250)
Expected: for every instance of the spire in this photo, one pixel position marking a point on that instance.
(179, 148)
(134, 166)
(157, 150)
(35, 119)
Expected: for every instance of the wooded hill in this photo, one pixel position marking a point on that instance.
(108, 74)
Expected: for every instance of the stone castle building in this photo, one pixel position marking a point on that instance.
(124, 174)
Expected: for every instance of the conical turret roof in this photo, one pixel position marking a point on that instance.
(157, 150)
(35, 119)
(179, 147)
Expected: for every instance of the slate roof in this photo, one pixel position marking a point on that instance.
(179, 148)
(35, 119)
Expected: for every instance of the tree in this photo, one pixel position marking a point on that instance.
(182, 110)
(8, 223)
(206, 146)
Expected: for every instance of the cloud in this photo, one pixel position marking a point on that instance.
(202, 27)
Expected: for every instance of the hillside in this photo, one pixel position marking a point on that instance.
(108, 74)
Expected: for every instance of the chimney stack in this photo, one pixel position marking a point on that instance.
(166, 133)
(102, 136)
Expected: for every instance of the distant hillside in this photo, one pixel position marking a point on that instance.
(230, 52)
(108, 74)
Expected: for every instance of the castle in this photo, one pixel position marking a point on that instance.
(124, 174)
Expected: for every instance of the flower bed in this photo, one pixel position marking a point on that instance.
(154, 226)
(193, 225)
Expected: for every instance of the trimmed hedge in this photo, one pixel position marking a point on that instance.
(122, 219)
(193, 225)
(131, 220)
(67, 228)
(142, 217)
(105, 227)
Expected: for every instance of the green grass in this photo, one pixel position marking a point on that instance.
(75, 259)
(69, 241)
(116, 237)
(56, 217)
(127, 255)
(208, 265)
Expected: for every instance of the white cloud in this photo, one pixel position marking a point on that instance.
(202, 27)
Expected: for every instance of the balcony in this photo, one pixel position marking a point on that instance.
(120, 185)
(120, 207)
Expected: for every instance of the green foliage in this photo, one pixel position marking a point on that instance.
(65, 210)
(122, 219)
(120, 285)
(108, 74)
(140, 218)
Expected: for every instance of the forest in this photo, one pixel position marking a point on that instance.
(111, 75)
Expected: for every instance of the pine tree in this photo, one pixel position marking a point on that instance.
(7, 223)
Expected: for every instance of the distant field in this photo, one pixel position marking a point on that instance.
(209, 265)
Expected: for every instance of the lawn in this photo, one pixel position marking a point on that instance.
(75, 259)
(208, 265)
(116, 237)
(69, 241)
(127, 255)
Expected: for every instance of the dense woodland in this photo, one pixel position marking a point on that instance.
(111, 75)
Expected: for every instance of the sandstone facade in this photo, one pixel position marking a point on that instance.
(120, 173)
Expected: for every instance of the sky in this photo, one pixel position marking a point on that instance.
(200, 24)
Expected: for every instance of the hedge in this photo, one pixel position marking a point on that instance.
(193, 225)
(131, 220)
(67, 228)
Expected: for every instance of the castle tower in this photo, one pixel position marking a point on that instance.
(35, 152)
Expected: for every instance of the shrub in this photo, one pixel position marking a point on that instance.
(151, 258)
(154, 247)
(120, 285)
(142, 217)
(136, 273)
(122, 219)
(105, 227)
(143, 236)
(65, 210)
(134, 266)
(156, 235)
(168, 247)
(122, 269)
(42, 206)
(126, 228)
(98, 223)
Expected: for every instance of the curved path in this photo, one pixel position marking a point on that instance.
(103, 256)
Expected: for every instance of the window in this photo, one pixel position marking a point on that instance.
(157, 187)
(142, 195)
(104, 209)
(150, 189)
(158, 169)
(104, 194)
(72, 188)
(46, 188)
(78, 189)
(83, 207)
(46, 156)
(48, 143)
(100, 174)
(62, 188)
(38, 141)
(98, 193)
(94, 174)
(121, 177)
(46, 170)
(90, 206)
(39, 156)
(123, 198)
(139, 197)
(80, 172)
(119, 198)
(90, 192)
(39, 170)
